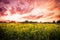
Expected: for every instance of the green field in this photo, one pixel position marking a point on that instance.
(29, 31)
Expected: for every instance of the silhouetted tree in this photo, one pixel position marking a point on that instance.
(26, 21)
(53, 21)
(12, 21)
(58, 21)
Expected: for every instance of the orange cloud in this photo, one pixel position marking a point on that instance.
(39, 10)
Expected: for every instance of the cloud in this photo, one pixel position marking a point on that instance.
(38, 10)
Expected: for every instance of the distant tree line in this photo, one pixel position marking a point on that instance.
(29, 22)
(58, 21)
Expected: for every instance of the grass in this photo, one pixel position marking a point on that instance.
(29, 31)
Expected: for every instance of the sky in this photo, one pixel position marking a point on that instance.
(31, 10)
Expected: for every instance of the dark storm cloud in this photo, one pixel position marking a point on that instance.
(3, 4)
(57, 4)
(0, 9)
(57, 1)
(4, 1)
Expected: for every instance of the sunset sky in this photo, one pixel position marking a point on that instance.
(31, 10)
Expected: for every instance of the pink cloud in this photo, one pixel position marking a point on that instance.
(39, 10)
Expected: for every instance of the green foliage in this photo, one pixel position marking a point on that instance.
(29, 31)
